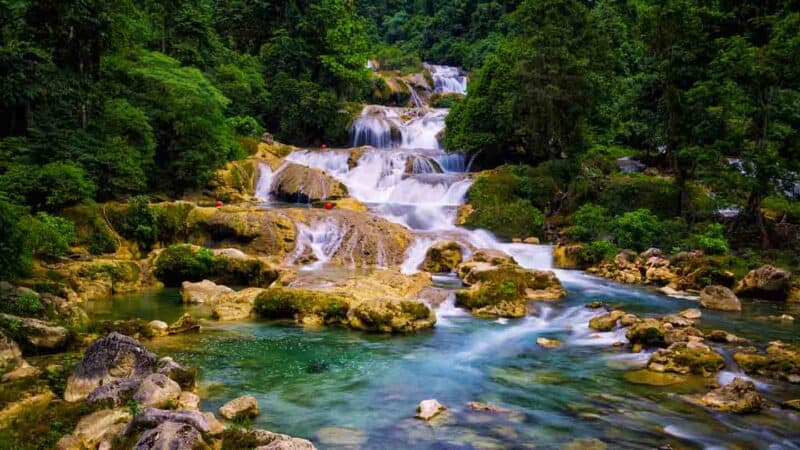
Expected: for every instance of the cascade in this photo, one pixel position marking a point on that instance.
(264, 183)
(317, 243)
(447, 79)
(409, 128)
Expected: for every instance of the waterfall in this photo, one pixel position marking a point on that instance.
(317, 243)
(415, 255)
(408, 128)
(447, 79)
(264, 183)
(415, 98)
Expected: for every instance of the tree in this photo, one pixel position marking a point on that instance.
(14, 253)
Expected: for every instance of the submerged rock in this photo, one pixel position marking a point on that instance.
(739, 396)
(719, 298)
(442, 257)
(238, 408)
(780, 361)
(110, 358)
(428, 409)
(767, 282)
(184, 324)
(548, 343)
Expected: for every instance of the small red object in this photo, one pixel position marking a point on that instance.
(219, 203)
(324, 147)
(328, 205)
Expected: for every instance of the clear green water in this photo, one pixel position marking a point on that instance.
(367, 386)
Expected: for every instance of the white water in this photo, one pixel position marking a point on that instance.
(264, 183)
(447, 79)
(388, 127)
(321, 239)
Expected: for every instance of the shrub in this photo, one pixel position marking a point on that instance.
(14, 252)
(637, 230)
(179, 263)
(499, 207)
(597, 251)
(783, 206)
(50, 236)
(712, 240)
(590, 221)
(140, 223)
(245, 126)
(622, 193)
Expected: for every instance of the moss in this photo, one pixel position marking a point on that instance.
(698, 361)
(626, 192)
(503, 202)
(135, 328)
(445, 100)
(42, 424)
(182, 262)
(280, 303)
(416, 310)
(91, 228)
(776, 363)
(502, 284)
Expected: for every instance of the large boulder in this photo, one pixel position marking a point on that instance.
(647, 332)
(203, 291)
(115, 393)
(185, 262)
(157, 391)
(442, 257)
(235, 305)
(99, 426)
(780, 361)
(719, 298)
(767, 282)
(152, 417)
(302, 305)
(239, 408)
(301, 184)
(740, 396)
(184, 376)
(391, 316)
(34, 334)
(687, 357)
(497, 286)
(110, 358)
(170, 436)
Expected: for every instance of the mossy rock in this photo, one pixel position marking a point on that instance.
(780, 361)
(301, 305)
(184, 262)
(647, 332)
(684, 358)
(391, 316)
(442, 257)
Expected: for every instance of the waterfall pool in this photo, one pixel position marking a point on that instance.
(347, 389)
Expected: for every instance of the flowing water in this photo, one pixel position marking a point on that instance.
(347, 389)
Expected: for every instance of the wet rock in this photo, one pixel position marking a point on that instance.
(202, 292)
(719, 298)
(686, 357)
(10, 354)
(548, 343)
(628, 320)
(568, 256)
(724, 337)
(186, 323)
(34, 333)
(184, 376)
(691, 314)
(596, 305)
(158, 391)
(391, 316)
(153, 417)
(99, 426)
(780, 361)
(245, 406)
(107, 359)
(647, 332)
(531, 240)
(301, 305)
(442, 257)
(606, 322)
(296, 183)
(115, 393)
(434, 296)
(236, 305)
(767, 282)
(792, 404)
(739, 396)
(170, 436)
(686, 334)
(650, 378)
(428, 409)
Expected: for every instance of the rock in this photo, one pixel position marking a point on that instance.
(647, 332)
(10, 354)
(115, 393)
(739, 396)
(301, 184)
(202, 292)
(548, 343)
(236, 305)
(189, 401)
(112, 357)
(428, 409)
(606, 322)
(780, 361)
(792, 404)
(684, 358)
(186, 323)
(766, 282)
(584, 444)
(159, 328)
(391, 316)
(179, 263)
(99, 426)
(215, 427)
(691, 313)
(170, 436)
(302, 305)
(288, 444)
(650, 378)
(152, 417)
(568, 256)
(724, 337)
(185, 377)
(442, 257)
(685, 334)
(158, 391)
(434, 296)
(531, 240)
(24, 370)
(34, 333)
(719, 298)
(245, 406)
(341, 437)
